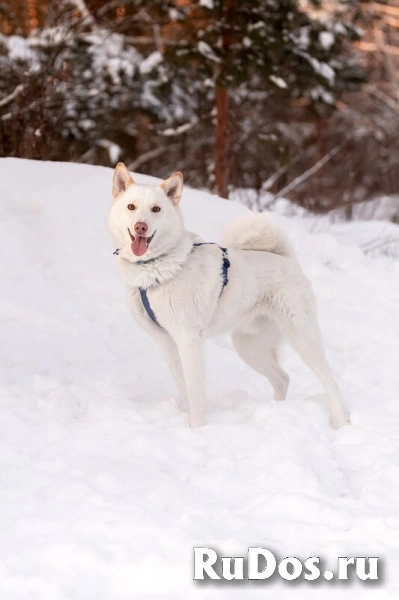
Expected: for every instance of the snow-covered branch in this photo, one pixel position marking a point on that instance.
(178, 130)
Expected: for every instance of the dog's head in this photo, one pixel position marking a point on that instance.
(145, 220)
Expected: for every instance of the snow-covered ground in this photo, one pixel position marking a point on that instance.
(104, 489)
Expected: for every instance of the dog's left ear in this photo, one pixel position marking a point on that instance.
(122, 180)
(173, 187)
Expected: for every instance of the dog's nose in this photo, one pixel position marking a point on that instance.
(140, 228)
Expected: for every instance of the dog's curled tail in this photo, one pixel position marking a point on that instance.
(258, 231)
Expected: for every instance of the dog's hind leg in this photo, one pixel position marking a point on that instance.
(300, 328)
(259, 351)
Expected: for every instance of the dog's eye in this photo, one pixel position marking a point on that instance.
(131, 207)
(155, 209)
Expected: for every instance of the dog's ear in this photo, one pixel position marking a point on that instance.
(173, 187)
(122, 180)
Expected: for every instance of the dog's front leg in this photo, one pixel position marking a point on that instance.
(172, 359)
(169, 352)
(191, 350)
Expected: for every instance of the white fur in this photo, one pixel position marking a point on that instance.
(267, 298)
(258, 231)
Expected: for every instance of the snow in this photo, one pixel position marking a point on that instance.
(206, 3)
(322, 69)
(319, 93)
(206, 50)
(327, 40)
(104, 489)
(18, 48)
(111, 55)
(151, 62)
(302, 38)
(114, 150)
(278, 81)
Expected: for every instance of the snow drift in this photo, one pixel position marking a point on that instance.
(104, 490)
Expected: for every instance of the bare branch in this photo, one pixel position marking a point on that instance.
(389, 245)
(387, 100)
(270, 181)
(389, 10)
(316, 167)
(11, 96)
(372, 47)
(391, 22)
(84, 11)
(149, 41)
(133, 166)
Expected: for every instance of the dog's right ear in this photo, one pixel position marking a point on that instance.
(122, 180)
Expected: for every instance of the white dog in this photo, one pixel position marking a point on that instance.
(181, 290)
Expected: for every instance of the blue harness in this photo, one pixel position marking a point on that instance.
(225, 280)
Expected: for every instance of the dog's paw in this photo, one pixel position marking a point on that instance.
(280, 391)
(197, 421)
(338, 421)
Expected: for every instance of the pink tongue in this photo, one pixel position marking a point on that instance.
(139, 246)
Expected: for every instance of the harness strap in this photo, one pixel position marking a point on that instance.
(147, 306)
(225, 279)
(225, 265)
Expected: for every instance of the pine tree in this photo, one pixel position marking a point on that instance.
(223, 42)
(207, 48)
(130, 71)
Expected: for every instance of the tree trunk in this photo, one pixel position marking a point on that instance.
(32, 15)
(222, 142)
(222, 159)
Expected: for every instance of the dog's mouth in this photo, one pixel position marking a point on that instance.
(140, 243)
